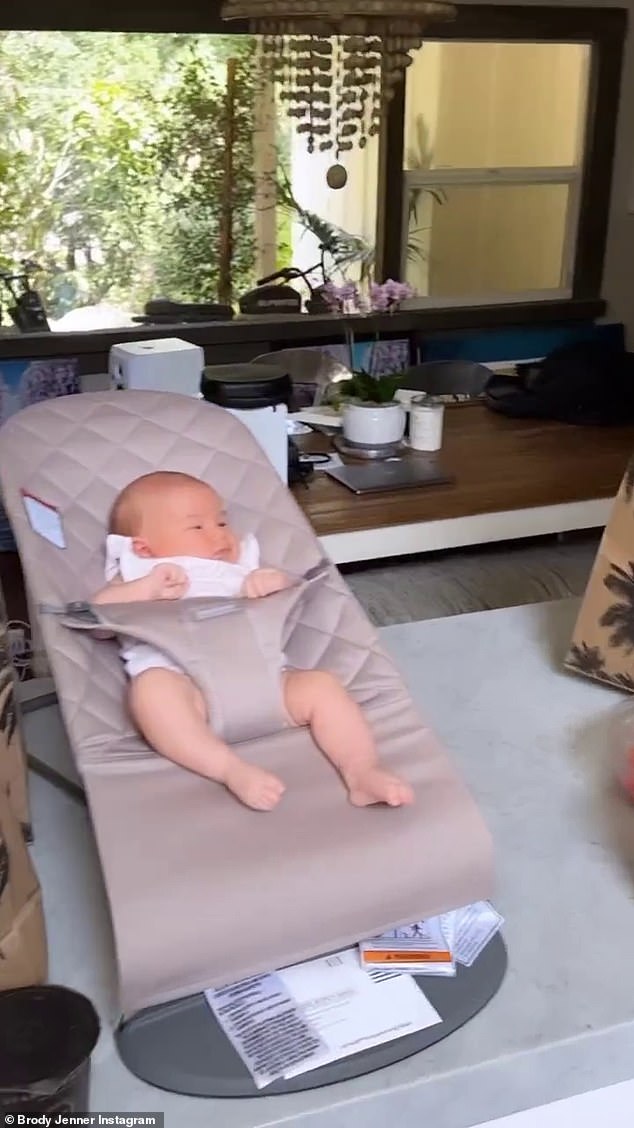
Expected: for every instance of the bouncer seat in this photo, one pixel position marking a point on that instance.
(202, 891)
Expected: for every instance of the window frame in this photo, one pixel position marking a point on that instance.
(603, 28)
(604, 31)
(519, 175)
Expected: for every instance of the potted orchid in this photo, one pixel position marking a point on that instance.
(380, 297)
(371, 415)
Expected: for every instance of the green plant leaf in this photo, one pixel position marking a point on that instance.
(370, 389)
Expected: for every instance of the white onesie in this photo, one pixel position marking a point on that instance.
(207, 578)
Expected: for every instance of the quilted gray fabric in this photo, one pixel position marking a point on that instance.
(201, 890)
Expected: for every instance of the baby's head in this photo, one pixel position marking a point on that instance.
(171, 514)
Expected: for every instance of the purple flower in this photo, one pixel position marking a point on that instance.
(330, 295)
(379, 300)
(338, 297)
(44, 380)
(387, 296)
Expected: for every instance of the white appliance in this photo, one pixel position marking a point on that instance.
(172, 365)
(257, 395)
(164, 365)
(269, 427)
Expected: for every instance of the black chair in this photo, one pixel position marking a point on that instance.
(463, 379)
(311, 372)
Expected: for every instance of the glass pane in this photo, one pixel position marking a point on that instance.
(495, 105)
(485, 240)
(114, 178)
(346, 217)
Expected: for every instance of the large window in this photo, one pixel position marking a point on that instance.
(497, 158)
(138, 165)
(494, 139)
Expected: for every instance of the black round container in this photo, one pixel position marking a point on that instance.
(47, 1035)
(246, 386)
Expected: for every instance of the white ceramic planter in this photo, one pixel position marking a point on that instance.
(373, 424)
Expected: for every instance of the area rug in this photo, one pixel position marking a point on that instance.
(531, 743)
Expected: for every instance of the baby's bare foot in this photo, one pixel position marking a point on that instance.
(376, 786)
(254, 787)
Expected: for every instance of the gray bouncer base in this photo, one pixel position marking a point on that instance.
(180, 1046)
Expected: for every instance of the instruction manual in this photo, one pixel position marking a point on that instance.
(424, 948)
(434, 946)
(475, 926)
(314, 1013)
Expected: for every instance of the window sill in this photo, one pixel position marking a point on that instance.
(262, 333)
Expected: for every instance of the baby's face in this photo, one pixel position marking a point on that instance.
(188, 521)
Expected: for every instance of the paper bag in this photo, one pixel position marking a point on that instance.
(12, 761)
(23, 950)
(602, 644)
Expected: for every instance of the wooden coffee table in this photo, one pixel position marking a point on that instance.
(513, 478)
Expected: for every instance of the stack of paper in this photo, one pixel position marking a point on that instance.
(422, 949)
(314, 1013)
(434, 946)
(298, 1019)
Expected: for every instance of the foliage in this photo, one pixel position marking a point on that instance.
(342, 249)
(101, 180)
(587, 660)
(619, 616)
(345, 250)
(112, 150)
(192, 154)
(367, 388)
(76, 159)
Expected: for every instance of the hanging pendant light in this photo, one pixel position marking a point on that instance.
(336, 70)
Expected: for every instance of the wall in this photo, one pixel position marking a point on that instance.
(349, 208)
(352, 208)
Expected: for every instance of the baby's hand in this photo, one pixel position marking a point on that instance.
(264, 581)
(166, 581)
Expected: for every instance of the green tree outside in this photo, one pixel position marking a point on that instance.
(111, 159)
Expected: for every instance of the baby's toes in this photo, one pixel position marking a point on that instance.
(270, 791)
(399, 794)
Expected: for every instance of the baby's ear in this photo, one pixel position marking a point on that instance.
(140, 547)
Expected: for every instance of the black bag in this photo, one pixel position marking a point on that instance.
(584, 383)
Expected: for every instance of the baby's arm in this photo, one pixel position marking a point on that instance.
(165, 581)
(118, 591)
(264, 581)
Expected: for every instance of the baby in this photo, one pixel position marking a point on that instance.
(178, 521)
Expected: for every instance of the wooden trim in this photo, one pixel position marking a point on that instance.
(474, 21)
(532, 22)
(605, 29)
(238, 337)
(599, 146)
(390, 194)
(187, 16)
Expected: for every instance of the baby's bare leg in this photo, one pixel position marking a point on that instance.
(317, 699)
(170, 712)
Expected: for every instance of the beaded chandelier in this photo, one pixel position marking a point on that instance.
(337, 62)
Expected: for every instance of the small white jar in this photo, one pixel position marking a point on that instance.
(426, 418)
